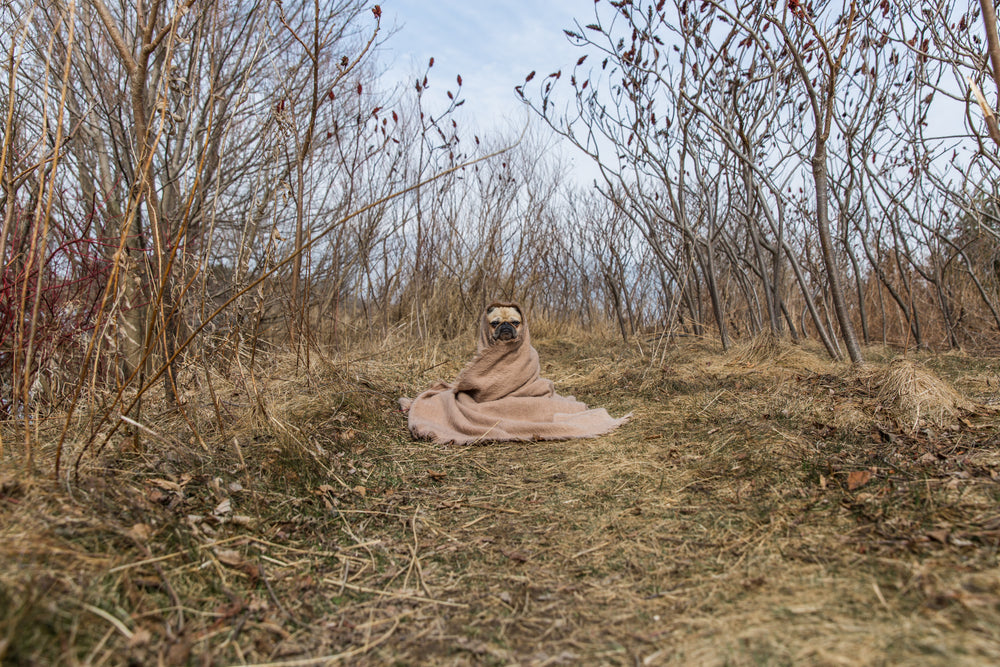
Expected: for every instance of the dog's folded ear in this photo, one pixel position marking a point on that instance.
(493, 307)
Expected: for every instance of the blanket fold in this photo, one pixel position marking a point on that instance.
(500, 395)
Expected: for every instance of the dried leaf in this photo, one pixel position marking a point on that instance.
(157, 497)
(179, 653)
(141, 532)
(167, 485)
(229, 557)
(234, 559)
(858, 478)
(140, 637)
(515, 555)
(940, 535)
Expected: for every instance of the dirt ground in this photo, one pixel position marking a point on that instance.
(762, 506)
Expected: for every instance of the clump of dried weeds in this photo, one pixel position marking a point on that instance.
(911, 394)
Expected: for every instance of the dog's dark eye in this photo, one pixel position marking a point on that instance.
(494, 323)
(515, 323)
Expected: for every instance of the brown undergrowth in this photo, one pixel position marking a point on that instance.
(764, 506)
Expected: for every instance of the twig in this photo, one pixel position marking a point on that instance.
(207, 545)
(328, 659)
(991, 118)
(343, 578)
(492, 508)
(475, 521)
(878, 594)
(415, 561)
(163, 577)
(113, 620)
(144, 428)
(389, 594)
(274, 598)
(714, 399)
(590, 550)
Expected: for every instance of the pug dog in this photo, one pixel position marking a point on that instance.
(505, 322)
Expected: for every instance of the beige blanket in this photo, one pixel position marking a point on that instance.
(500, 395)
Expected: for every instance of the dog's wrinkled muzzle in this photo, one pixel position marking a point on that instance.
(505, 331)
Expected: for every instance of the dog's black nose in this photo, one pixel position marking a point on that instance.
(506, 331)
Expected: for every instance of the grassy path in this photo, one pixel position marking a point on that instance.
(758, 509)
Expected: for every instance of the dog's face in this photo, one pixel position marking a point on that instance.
(505, 322)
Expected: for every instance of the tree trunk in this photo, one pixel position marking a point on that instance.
(829, 257)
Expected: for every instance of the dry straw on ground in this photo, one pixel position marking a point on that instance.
(911, 394)
(737, 520)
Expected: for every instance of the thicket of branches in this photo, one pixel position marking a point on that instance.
(185, 183)
(804, 168)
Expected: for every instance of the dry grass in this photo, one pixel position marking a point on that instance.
(911, 394)
(762, 507)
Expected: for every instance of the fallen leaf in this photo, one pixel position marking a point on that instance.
(157, 497)
(225, 507)
(140, 637)
(179, 653)
(940, 535)
(235, 560)
(166, 484)
(140, 532)
(229, 557)
(858, 478)
(886, 436)
(514, 555)
(436, 474)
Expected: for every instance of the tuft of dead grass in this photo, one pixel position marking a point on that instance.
(761, 348)
(767, 353)
(911, 394)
